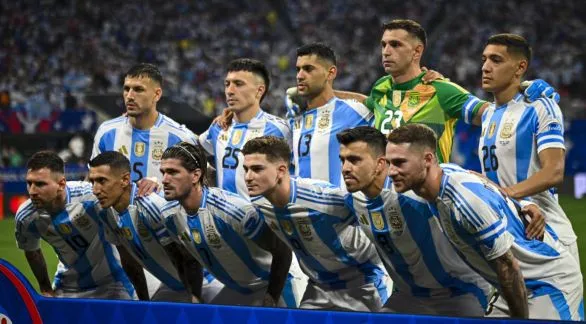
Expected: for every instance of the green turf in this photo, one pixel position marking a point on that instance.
(574, 209)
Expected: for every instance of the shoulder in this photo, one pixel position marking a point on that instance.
(383, 84)
(80, 191)
(170, 208)
(277, 122)
(546, 107)
(111, 124)
(444, 87)
(317, 190)
(152, 204)
(228, 203)
(26, 212)
(174, 127)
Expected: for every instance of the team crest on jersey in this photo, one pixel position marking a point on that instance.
(139, 148)
(363, 219)
(397, 98)
(287, 227)
(395, 220)
(377, 220)
(143, 232)
(308, 121)
(212, 237)
(157, 152)
(196, 236)
(83, 222)
(65, 229)
(324, 121)
(491, 129)
(414, 99)
(273, 226)
(123, 150)
(507, 130)
(236, 137)
(305, 229)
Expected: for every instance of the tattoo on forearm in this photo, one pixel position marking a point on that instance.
(512, 285)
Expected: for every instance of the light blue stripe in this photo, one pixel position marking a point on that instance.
(490, 228)
(223, 209)
(237, 209)
(490, 140)
(288, 295)
(113, 121)
(524, 137)
(26, 211)
(541, 288)
(232, 164)
(320, 201)
(107, 140)
(307, 131)
(551, 140)
(321, 195)
(150, 208)
(463, 206)
(139, 162)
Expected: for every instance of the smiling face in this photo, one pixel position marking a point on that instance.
(500, 69)
(261, 175)
(243, 90)
(141, 95)
(359, 166)
(407, 166)
(399, 51)
(108, 185)
(44, 187)
(313, 75)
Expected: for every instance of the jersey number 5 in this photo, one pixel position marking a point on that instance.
(392, 120)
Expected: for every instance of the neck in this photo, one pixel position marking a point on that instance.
(192, 202)
(430, 188)
(279, 196)
(412, 72)
(123, 201)
(245, 115)
(505, 95)
(321, 99)
(58, 204)
(144, 121)
(376, 187)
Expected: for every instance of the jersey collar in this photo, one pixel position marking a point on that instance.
(409, 84)
(204, 198)
(293, 190)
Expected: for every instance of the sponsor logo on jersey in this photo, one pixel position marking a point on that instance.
(363, 219)
(158, 149)
(555, 127)
(139, 149)
(223, 137)
(377, 220)
(123, 150)
(491, 129)
(65, 228)
(305, 229)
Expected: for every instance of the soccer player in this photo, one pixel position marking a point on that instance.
(522, 144)
(61, 213)
(129, 220)
(143, 134)
(429, 276)
(311, 218)
(246, 84)
(223, 232)
(538, 279)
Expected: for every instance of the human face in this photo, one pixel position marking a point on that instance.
(407, 166)
(243, 90)
(399, 51)
(313, 75)
(44, 188)
(108, 186)
(359, 166)
(141, 95)
(499, 68)
(261, 175)
(177, 180)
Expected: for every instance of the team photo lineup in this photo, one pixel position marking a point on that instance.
(348, 203)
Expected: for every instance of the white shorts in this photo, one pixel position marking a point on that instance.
(573, 249)
(461, 306)
(115, 290)
(228, 296)
(365, 298)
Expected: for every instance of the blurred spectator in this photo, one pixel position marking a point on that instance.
(76, 152)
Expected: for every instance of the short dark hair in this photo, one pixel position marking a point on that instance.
(375, 140)
(516, 45)
(148, 70)
(115, 160)
(275, 148)
(192, 157)
(321, 50)
(412, 27)
(256, 67)
(46, 159)
(416, 134)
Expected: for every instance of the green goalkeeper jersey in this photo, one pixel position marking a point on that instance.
(438, 105)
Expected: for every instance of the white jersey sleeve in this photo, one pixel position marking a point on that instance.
(550, 125)
(27, 235)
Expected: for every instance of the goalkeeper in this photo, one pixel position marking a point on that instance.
(403, 96)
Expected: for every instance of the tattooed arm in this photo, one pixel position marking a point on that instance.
(512, 285)
(36, 261)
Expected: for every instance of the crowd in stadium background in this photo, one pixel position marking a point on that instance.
(51, 59)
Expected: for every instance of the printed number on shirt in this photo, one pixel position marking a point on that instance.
(230, 159)
(489, 159)
(306, 141)
(77, 242)
(392, 121)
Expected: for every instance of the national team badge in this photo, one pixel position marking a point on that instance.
(395, 220)
(309, 121)
(236, 137)
(377, 220)
(273, 226)
(287, 227)
(196, 236)
(491, 129)
(82, 222)
(507, 130)
(414, 99)
(65, 229)
(324, 121)
(123, 150)
(363, 219)
(212, 237)
(397, 98)
(139, 148)
(305, 229)
(157, 152)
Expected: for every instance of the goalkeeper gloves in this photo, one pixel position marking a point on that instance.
(538, 88)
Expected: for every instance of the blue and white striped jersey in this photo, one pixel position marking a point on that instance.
(512, 137)
(225, 146)
(315, 147)
(483, 225)
(332, 249)
(417, 255)
(144, 148)
(86, 259)
(135, 229)
(221, 236)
